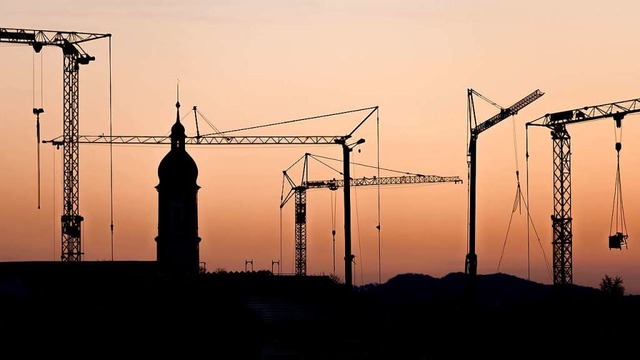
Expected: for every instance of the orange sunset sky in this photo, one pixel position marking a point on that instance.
(246, 63)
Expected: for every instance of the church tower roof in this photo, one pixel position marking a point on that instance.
(177, 166)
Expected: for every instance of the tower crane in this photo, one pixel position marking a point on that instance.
(475, 129)
(222, 138)
(561, 220)
(74, 56)
(299, 192)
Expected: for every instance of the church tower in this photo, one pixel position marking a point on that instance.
(178, 249)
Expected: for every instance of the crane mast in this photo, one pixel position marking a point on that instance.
(561, 220)
(74, 56)
(475, 129)
(299, 193)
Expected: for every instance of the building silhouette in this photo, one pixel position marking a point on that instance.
(178, 241)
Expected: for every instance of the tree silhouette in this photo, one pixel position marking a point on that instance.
(612, 286)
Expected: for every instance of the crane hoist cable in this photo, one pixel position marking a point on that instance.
(37, 110)
(517, 203)
(618, 227)
(378, 197)
(54, 207)
(517, 206)
(529, 219)
(355, 197)
(334, 202)
(280, 254)
(111, 226)
(521, 199)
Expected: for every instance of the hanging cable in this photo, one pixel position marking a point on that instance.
(519, 198)
(281, 235)
(293, 263)
(516, 202)
(504, 243)
(41, 79)
(111, 149)
(618, 226)
(530, 220)
(280, 256)
(470, 123)
(33, 80)
(526, 160)
(37, 110)
(333, 228)
(53, 208)
(378, 172)
(515, 206)
(355, 197)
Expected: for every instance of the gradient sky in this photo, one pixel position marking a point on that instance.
(246, 63)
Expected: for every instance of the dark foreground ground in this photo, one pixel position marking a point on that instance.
(129, 309)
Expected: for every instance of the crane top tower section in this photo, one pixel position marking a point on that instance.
(73, 57)
(68, 41)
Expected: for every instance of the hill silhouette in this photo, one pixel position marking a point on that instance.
(131, 308)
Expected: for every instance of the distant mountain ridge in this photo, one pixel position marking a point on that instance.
(417, 316)
(492, 289)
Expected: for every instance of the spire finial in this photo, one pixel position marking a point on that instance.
(178, 93)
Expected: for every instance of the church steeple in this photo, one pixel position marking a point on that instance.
(177, 130)
(178, 240)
